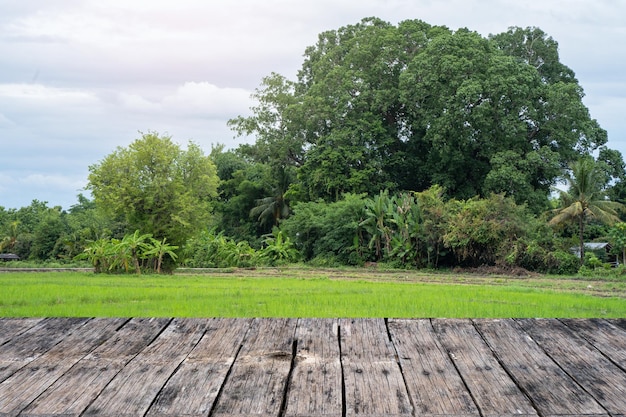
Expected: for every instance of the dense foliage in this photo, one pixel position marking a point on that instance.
(156, 187)
(134, 252)
(405, 107)
(410, 145)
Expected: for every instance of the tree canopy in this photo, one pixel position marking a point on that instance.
(156, 187)
(404, 107)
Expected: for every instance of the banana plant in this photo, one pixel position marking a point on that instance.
(158, 249)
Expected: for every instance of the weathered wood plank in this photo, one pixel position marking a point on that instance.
(316, 382)
(132, 391)
(34, 342)
(432, 380)
(258, 379)
(19, 390)
(130, 340)
(72, 393)
(81, 367)
(552, 391)
(194, 387)
(374, 384)
(604, 336)
(599, 376)
(492, 389)
(619, 323)
(10, 327)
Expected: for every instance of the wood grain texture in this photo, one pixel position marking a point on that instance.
(258, 380)
(37, 340)
(135, 387)
(605, 381)
(10, 327)
(552, 391)
(432, 380)
(72, 393)
(374, 384)
(603, 335)
(316, 382)
(491, 387)
(312, 367)
(19, 390)
(193, 388)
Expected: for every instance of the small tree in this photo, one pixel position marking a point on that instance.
(618, 236)
(115, 255)
(156, 187)
(378, 210)
(434, 216)
(98, 254)
(482, 231)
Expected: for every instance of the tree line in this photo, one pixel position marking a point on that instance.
(408, 144)
(422, 229)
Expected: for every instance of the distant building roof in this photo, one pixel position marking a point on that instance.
(9, 256)
(606, 246)
(597, 245)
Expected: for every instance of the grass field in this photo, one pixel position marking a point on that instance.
(305, 293)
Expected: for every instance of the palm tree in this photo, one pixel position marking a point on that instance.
(8, 242)
(585, 199)
(271, 209)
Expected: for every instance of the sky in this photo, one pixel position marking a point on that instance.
(79, 78)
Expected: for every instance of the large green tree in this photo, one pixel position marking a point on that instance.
(404, 107)
(463, 102)
(536, 48)
(275, 123)
(156, 187)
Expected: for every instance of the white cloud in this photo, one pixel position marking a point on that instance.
(82, 25)
(52, 181)
(18, 190)
(43, 93)
(137, 103)
(4, 182)
(191, 99)
(208, 100)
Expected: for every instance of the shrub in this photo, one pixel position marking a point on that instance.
(134, 252)
(328, 230)
(211, 250)
(278, 249)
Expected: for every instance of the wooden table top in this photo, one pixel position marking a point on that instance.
(312, 367)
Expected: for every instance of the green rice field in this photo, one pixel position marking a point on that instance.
(311, 293)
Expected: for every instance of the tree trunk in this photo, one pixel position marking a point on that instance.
(136, 263)
(581, 225)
